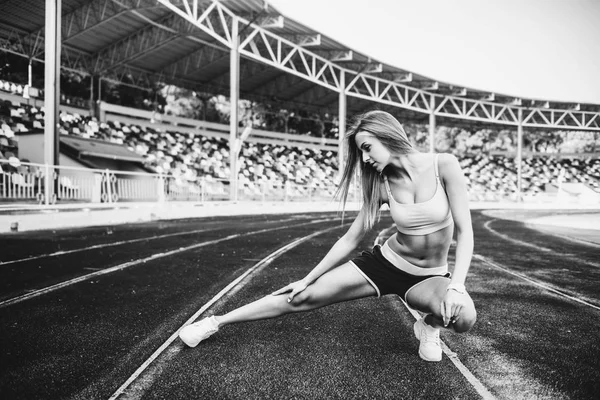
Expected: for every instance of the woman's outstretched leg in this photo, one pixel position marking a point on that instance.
(340, 284)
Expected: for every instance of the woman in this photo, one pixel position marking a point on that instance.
(427, 197)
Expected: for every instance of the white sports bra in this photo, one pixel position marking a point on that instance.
(425, 217)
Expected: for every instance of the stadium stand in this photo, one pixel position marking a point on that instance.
(188, 157)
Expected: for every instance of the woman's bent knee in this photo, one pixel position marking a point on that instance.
(466, 321)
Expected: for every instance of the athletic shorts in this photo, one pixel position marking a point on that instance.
(390, 278)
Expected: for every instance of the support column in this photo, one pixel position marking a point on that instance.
(432, 124)
(234, 88)
(92, 105)
(30, 73)
(341, 124)
(51, 93)
(29, 81)
(519, 158)
(100, 114)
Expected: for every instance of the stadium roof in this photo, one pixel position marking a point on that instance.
(282, 61)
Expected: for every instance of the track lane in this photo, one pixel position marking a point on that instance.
(142, 378)
(529, 342)
(37, 244)
(103, 329)
(559, 263)
(358, 349)
(532, 339)
(28, 278)
(520, 235)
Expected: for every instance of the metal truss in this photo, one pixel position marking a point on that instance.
(136, 45)
(85, 18)
(89, 16)
(27, 46)
(570, 119)
(16, 43)
(297, 55)
(21, 42)
(261, 45)
(291, 55)
(194, 62)
(144, 79)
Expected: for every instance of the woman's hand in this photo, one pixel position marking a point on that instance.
(451, 306)
(294, 288)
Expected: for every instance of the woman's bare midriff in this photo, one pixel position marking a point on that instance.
(425, 251)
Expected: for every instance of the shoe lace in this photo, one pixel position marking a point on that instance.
(430, 337)
(205, 325)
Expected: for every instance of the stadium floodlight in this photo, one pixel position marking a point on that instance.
(309, 40)
(489, 97)
(342, 55)
(431, 86)
(459, 91)
(373, 68)
(540, 104)
(516, 102)
(407, 77)
(272, 22)
(575, 107)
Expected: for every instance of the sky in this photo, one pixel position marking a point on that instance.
(535, 49)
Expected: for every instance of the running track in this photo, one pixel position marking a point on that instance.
(93, 314)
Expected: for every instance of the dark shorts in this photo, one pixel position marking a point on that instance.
(384, 276)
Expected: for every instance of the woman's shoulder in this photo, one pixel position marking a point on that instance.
(449, 166)
(446, 159)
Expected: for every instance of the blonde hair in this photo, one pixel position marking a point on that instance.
(390, 133)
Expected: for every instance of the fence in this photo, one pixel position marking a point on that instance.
(22, 182)
(27, 182)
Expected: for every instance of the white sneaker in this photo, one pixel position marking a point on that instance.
(429, 348)
(198, 331)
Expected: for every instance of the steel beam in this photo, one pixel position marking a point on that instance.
(342, 125)
(234, 85)
(256, 43)
(519, 158)
(51, 96)
(432, 125)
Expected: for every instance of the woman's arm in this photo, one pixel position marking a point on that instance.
(456, 188)
(338, 252)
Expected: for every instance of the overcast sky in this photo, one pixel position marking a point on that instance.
(539, 49)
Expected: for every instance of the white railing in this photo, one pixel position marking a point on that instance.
(22, 182)
(28, 182)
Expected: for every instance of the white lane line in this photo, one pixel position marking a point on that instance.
(476, 383)
(119, 267)
(534, 282)
(472, 379)
(533, 246)
(578, 241)
(100, 246)
(515, 241)
(139, 387)
(571, 239)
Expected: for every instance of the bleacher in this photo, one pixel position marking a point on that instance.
(190, 151)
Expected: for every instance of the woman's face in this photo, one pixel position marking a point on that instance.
(374, 153)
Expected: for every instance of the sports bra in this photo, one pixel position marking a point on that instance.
(425, 217)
